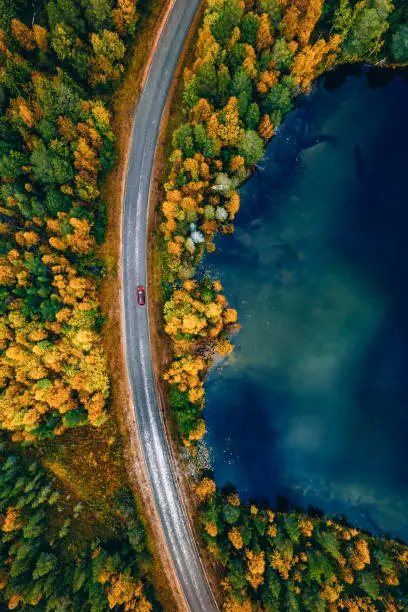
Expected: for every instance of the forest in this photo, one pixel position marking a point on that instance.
(71, 536)
(56, 143)
(299, 561)
(252, 59)
(44, 563)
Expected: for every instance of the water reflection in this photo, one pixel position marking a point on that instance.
(313, 404)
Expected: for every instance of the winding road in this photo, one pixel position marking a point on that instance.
(145, 133)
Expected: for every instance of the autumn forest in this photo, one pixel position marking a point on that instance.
(74, 537)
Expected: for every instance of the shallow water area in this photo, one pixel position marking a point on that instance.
(313, 404)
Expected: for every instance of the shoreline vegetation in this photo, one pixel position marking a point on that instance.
(253, 58)
(74, 531)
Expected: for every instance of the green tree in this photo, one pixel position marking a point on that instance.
(137, 538)
(229, 16)
(231, 513)
(312, 602)
(329, 542)
(235, 57)
(11, 164)
(368, 25)
(319, 566)
(47, 562)
(7, 13)
(98, 14)
(236, 574)
(249, 29)
(178, 399)
(74, 418)
(67, 12)
(343, 18)
(244, 99)
(292, 528)
(278, 102)
(270, 594)
(50, 168)
(108, 45)
(204, 143)
(282, 55)
(241, 82)
(183, 139)
(190, 95)
(61, 96)
(251, 147)
(206, 83)
(272, 7)
(223, 84)
(253, 116)
(56, 201)
(291, 603)
(369, 584)
(384, 560)
(15, 76)
(399, 44)
(187, 419)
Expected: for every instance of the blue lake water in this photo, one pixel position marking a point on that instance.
(313, 405)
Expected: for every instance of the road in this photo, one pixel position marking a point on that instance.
(145, 132)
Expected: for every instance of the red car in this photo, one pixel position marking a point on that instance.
(141, 295)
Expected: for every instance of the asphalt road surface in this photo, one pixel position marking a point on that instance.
(145, 132)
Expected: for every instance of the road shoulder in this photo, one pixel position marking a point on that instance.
(160, 343)
(125, 102)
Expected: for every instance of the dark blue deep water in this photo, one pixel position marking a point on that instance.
(313, 405)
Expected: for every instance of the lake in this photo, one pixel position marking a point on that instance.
(313, 404)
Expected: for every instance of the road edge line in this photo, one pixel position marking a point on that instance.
(151, 318)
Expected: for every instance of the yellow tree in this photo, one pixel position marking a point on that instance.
(265, 128)
(235, 537)
(108, 51)
(232, 206)
(237, 162)
(312, 60)
(230, 131)
(198, 432)
(40, 37)
(205, 489)
(211, 529)
(264, 36)
(361, 554)
(23, 35)
(309, 21)
(256, 568)
(290, 22)
(233, 605)
(125, 16)
(201, 111)
(81, 239)
(207, 47)
(224, 347)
